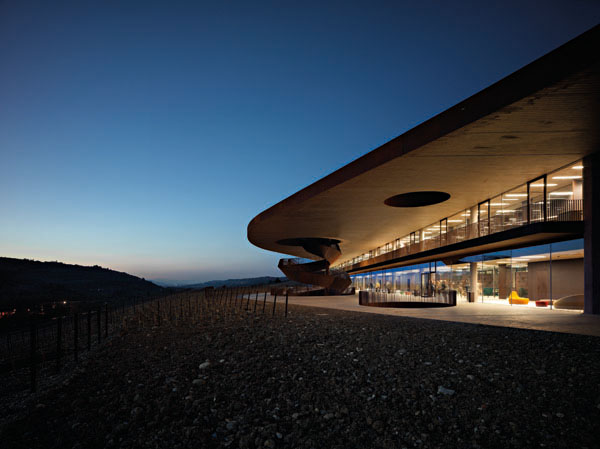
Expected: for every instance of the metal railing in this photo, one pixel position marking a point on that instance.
(33, 354)
(389, 299)
(556, 210)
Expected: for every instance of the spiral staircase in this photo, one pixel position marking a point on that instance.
(316, 272)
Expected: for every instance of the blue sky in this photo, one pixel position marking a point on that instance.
(144, 136)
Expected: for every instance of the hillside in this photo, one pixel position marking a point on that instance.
(239, 282)
(26, 282)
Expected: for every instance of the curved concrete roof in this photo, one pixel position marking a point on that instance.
(535, 120)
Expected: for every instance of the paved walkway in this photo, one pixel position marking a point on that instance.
(567, 321)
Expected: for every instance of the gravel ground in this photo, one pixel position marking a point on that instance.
(320, 379)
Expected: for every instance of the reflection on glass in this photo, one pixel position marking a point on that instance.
(540, 276)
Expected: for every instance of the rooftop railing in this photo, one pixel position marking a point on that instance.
(556, 210)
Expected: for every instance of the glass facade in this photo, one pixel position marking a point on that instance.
(538, 276)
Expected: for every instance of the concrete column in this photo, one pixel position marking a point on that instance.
(591, 245)
(474, 219)
(474, 281)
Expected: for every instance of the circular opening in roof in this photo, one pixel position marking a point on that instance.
(417, 199)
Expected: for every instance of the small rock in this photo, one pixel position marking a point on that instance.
(378, 426)
(270, 443)
(204, 365)
(446, 391)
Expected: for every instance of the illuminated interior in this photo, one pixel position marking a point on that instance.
(541, 274)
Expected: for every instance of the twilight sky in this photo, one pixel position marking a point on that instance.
(144, 136)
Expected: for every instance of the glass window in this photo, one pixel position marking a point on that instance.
(536, 199)
(515, 209)
(565, 194)
(456, 225)
(483, 218)
(497, 214)
(431, 236)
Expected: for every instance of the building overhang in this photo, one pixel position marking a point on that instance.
(535, 120)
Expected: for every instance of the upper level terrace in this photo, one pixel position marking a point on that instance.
(553, 198)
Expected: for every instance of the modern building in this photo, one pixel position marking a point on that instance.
(493, 200)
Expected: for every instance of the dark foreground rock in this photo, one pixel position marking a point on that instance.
(323, 379)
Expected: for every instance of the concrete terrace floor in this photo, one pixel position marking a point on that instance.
(566, 321)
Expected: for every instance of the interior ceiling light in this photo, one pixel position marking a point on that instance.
(455, 221)
(567, 177)
(516, 194)
(577, 167)
(498, 204)
(561, 193)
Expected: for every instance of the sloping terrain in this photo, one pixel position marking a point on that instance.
(24, 283)
(320, 379)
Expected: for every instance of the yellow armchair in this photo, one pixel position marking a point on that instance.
(514, 298)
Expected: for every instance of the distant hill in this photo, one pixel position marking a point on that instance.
(26, 282)
(239, 282)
